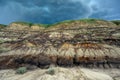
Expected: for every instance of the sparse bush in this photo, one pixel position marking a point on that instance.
(117, 22)
(50, 71)
(2, 26)
(1, 41)
(2, 49)
(21, 70)
(89, 20)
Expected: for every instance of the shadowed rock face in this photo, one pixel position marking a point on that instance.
(86, 46)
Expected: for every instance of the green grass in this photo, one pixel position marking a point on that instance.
(24, 23)
(88, 20)
(82, 20)
(2, 25)
(117, 22)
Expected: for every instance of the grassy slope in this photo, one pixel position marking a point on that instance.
(83, 20)
(90, 21)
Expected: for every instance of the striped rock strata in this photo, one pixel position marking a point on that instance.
(68, 44)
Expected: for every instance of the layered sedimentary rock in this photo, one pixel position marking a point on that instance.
(95, 44)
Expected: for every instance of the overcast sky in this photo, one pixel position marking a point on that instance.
(51, 11)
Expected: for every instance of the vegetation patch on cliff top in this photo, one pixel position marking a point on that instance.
(23, 23)
(82, 20)
(2, 26)
(117, 22)
(66, 22)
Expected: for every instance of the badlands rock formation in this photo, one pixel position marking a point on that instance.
(87, 43)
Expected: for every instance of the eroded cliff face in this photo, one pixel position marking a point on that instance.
(88, 44)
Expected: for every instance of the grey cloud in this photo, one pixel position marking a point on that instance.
(63, 11)
(51, 11)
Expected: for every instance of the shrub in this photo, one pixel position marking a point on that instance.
(2, 26)
(2, 49)
(117, 22)
(1, 41)
(21, 70)
(50, 71)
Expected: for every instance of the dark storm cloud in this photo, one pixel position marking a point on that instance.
(51, 11)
